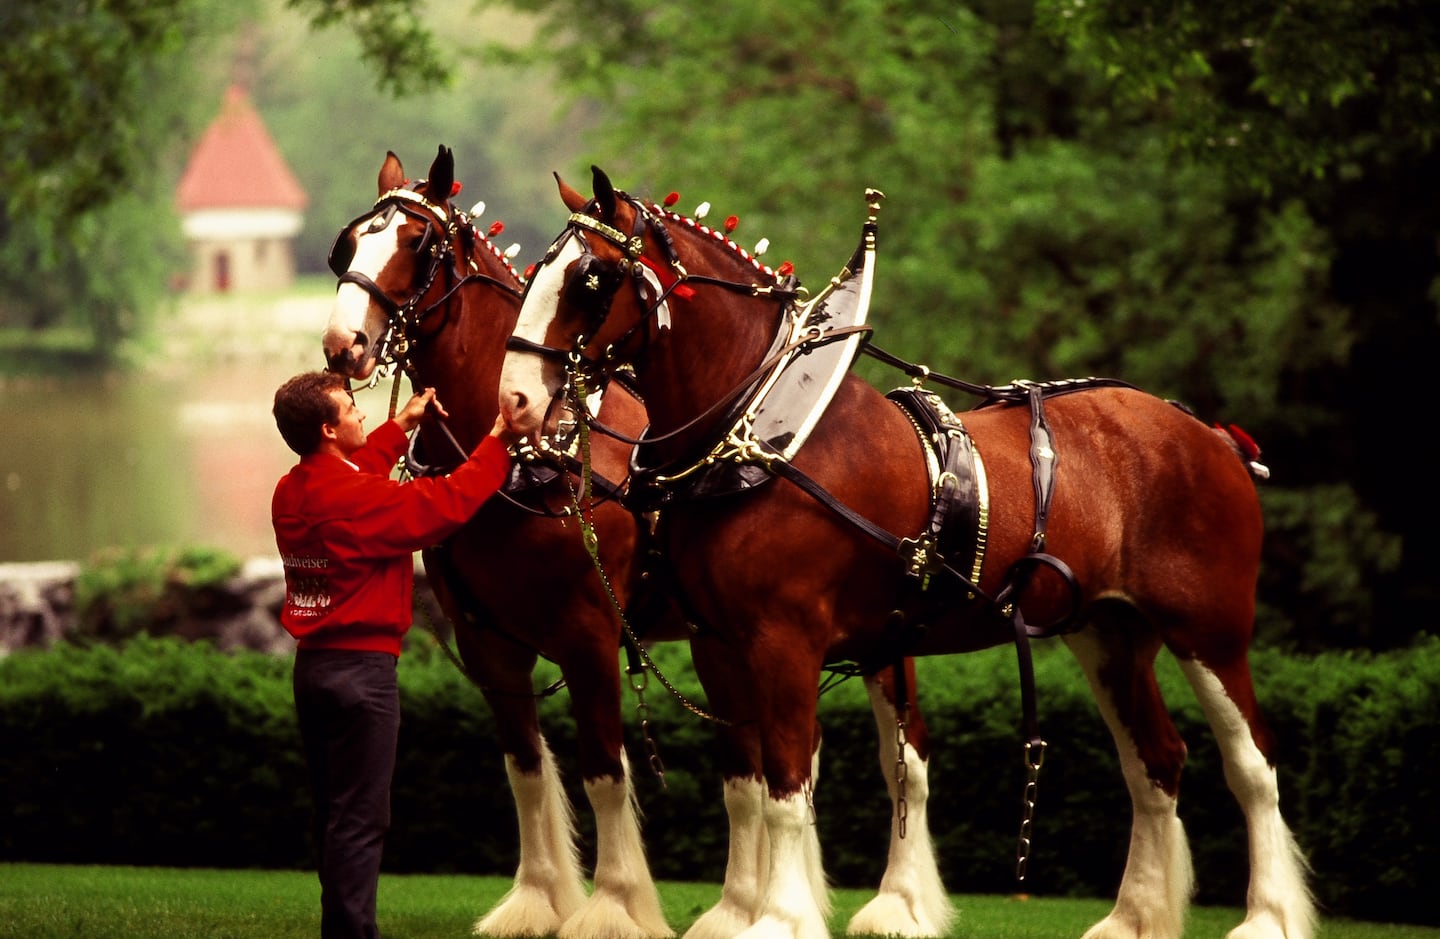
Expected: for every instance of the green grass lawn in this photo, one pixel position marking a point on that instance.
(39, 901)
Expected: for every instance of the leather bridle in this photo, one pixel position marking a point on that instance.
(444, 226)
(595, 283)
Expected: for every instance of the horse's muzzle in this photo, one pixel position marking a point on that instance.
(348, 360)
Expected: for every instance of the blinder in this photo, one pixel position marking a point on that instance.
(342, 252)
(591, 285)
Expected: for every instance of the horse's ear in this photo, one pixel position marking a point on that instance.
(392, 174)
(604, 194)
(442, 176)
(572, 199)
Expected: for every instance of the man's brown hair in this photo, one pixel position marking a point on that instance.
(303, 406)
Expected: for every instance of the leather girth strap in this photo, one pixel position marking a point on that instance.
(1007, 602)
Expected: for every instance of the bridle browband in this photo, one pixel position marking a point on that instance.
(405, 317)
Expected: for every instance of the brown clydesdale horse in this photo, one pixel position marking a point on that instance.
(1104, 505)
(422, 289)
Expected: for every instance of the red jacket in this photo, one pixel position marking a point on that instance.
(347, 534)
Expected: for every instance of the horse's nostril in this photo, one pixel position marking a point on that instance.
(361, 340)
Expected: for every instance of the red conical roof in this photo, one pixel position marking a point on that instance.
(237, 165)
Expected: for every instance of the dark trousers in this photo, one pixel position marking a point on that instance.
(348, 704)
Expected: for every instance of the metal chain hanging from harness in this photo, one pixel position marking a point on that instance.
(579, 496)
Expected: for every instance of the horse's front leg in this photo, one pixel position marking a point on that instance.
(625, 903)
(794, 904)
(738, 758)
(549, 885)
(912, 900)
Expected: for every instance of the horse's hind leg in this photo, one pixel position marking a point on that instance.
(1278, 904)
(912, 900)
(1158, 880)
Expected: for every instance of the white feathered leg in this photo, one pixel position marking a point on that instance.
(746, 868)
(912, 900)
(1159, 880)
(548, 886)
(624, 903)
(790, 908)
(1278, 904)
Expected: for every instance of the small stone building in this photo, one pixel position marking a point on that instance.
(240, 204)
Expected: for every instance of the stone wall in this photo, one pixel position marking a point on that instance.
(37, 608)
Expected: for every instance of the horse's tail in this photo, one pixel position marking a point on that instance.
(1245, 448)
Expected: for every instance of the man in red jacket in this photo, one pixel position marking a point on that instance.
(347, 533)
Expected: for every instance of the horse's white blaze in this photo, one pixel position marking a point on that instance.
(746, 867)
(352, 313)
(625, 903)
(912, 900)
(548, 887)
(1279, 904)
(522, 378)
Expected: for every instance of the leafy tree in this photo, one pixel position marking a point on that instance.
(1278, 93)
(97, 105)
(85, 91)
(393, 37)
(1340, 112)
(1038, 223)
(486, 114)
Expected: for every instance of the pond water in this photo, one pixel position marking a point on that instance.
(183, 452)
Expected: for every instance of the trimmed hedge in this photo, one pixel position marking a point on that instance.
(167, 752)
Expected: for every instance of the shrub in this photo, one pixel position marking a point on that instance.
(159, 751)
(123, 591)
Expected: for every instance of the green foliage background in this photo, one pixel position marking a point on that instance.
(1233, 205)
(160, 752)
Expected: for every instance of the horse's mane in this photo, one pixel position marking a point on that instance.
(664, 211)
(467, 219)
(502, 256)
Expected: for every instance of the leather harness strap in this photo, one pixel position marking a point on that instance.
(1007, 602)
